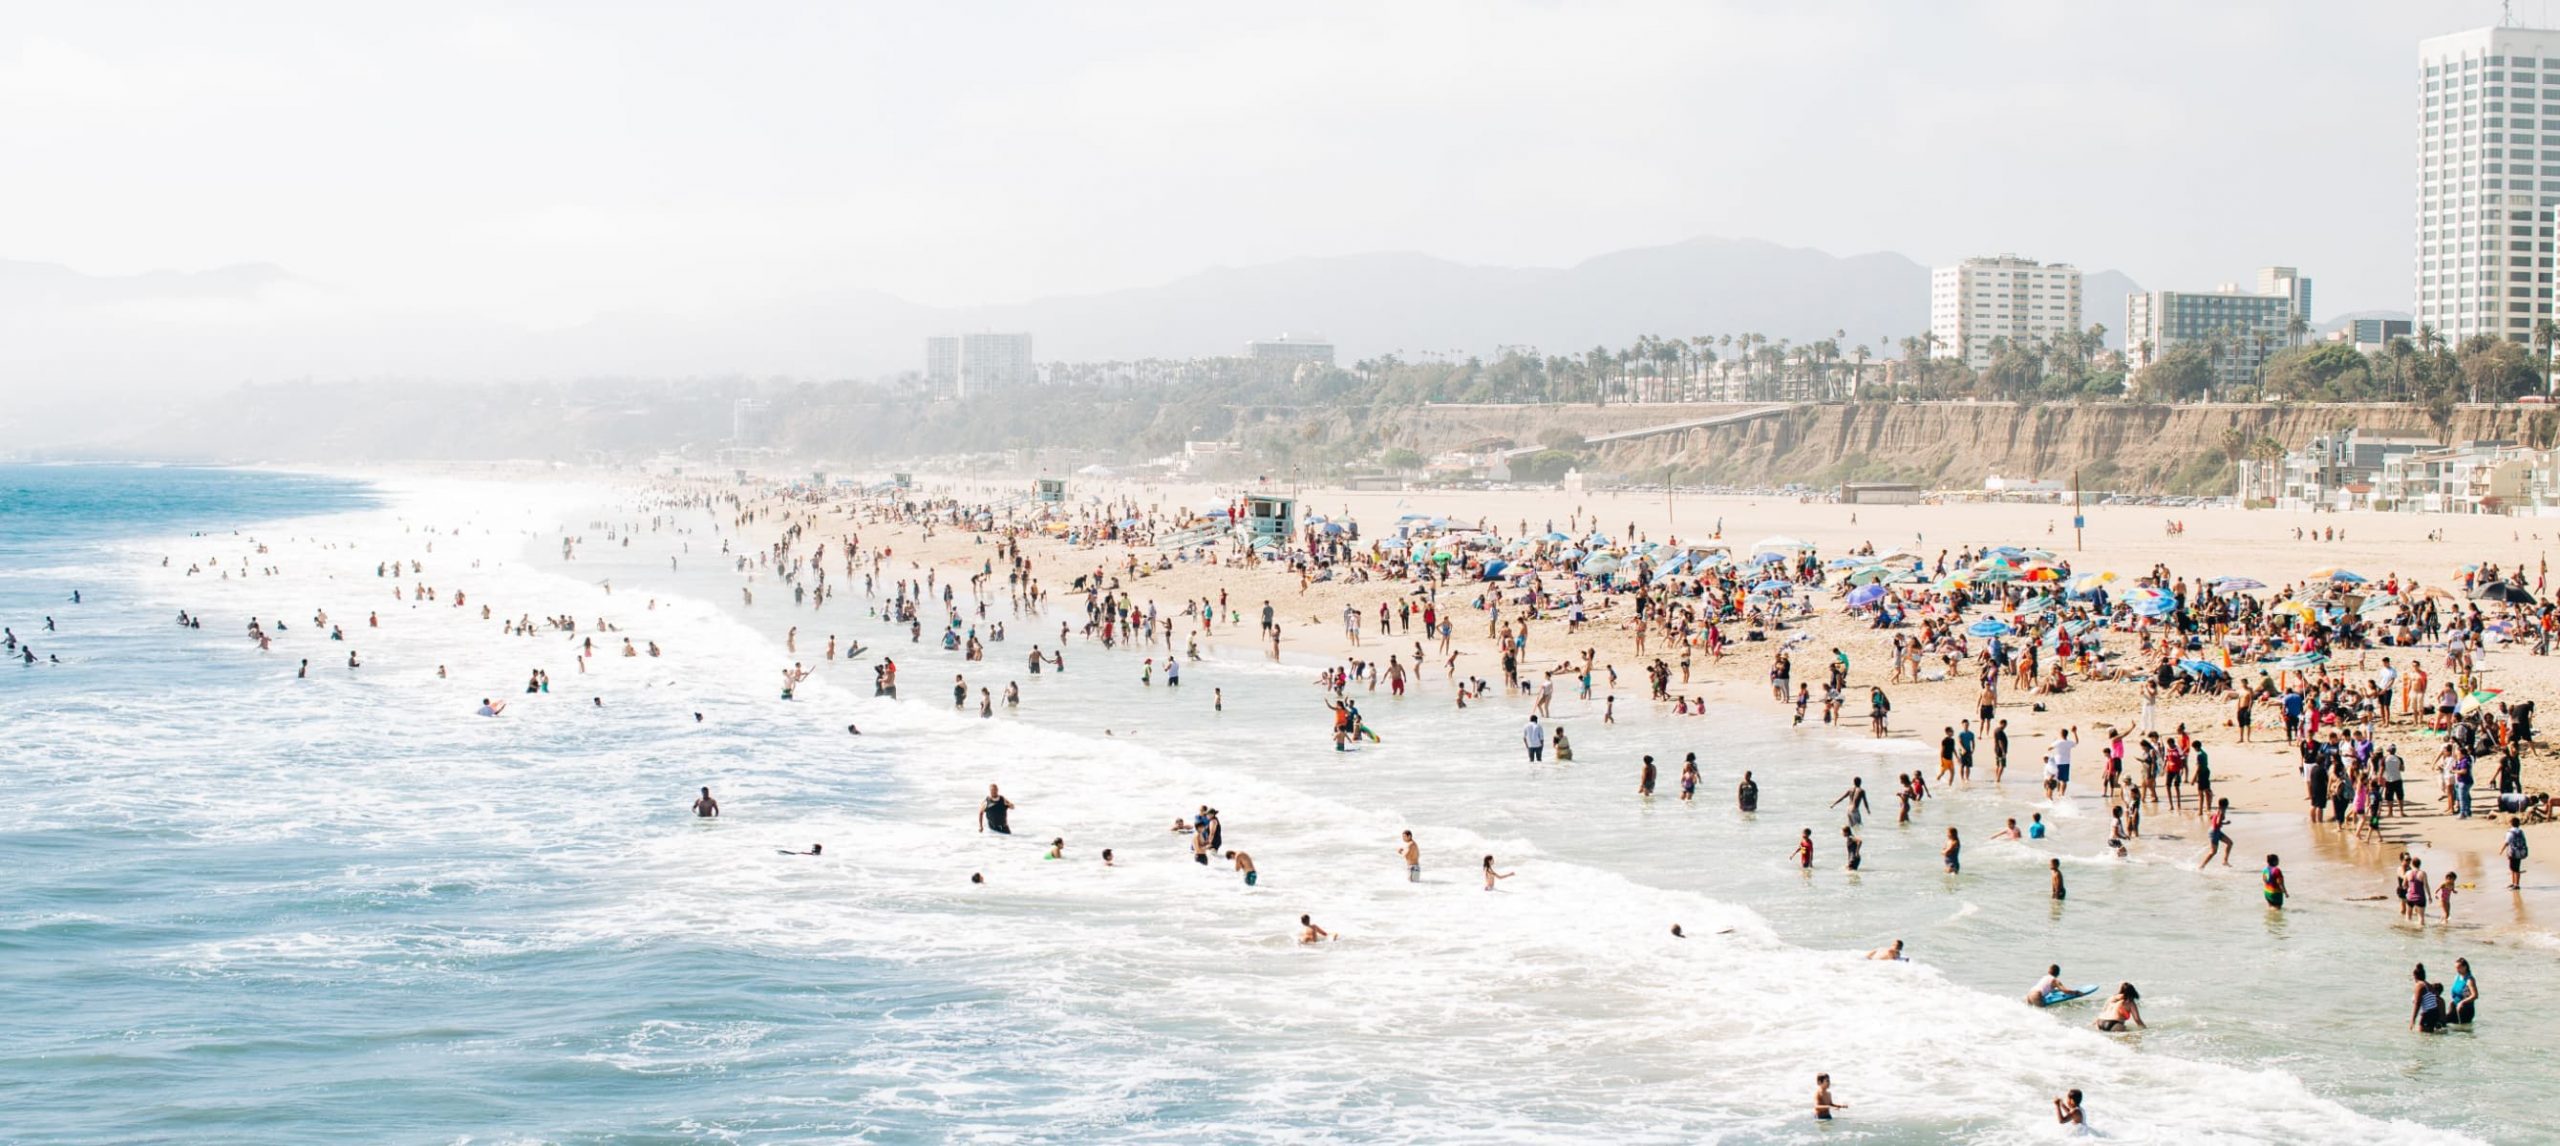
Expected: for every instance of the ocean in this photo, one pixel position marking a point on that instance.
(238, 904)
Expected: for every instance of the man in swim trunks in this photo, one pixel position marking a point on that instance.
(1244, 863)
(992, 813)
(1412, 853)
(706, 807)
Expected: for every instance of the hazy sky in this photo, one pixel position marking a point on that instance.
(544, 162)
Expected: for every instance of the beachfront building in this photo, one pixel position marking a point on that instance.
(974, 365)
(2476, 477)
(2488, 178)
(2240, 330)
(2334, 471)
(1979, 300)
(1288, 349)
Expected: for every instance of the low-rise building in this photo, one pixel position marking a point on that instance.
(1287, 349)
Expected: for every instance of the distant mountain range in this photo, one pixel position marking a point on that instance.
(170, 332)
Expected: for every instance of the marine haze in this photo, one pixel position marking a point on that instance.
(469, 193)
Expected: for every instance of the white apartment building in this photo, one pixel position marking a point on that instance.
(973, 365)
(2488, 177)
(1978, 300)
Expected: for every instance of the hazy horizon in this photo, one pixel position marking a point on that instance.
(431, 184)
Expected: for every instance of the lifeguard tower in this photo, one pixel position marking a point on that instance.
(902, 480)
(1269, 518)
(1050, 491)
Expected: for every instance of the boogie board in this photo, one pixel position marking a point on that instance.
(2052, 997)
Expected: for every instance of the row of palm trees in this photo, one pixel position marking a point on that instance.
(1749, 366)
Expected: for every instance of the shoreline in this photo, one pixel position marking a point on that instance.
(2260, 778)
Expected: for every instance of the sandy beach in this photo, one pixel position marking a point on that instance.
(2261, 778)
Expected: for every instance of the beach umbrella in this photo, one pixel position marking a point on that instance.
(1330, 527)
(1394, 543)
(2477, 698)
(1767, 543)
(2295, 662)
(2149, 602)
(1773, 585)
(1767, 558)
(1865, 595)
(1600, 563)
(2505, 591)
(1996, 575)
(1951, 582)
(2334, 573)
(1444, 557)
(1569, 554)
(1555, 537)
(2201, 667)
(1991, 627)
(2042, 573)
(2297, 609)
(1869, 574)
(2238, 584)
(2087, 581)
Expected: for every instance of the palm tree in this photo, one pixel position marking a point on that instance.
(2545, 333)
(1858, 372)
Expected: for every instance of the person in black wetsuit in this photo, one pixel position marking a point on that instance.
(991, 815)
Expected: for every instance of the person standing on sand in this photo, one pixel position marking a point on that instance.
(2515, 850)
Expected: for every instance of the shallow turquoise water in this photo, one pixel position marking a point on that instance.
(240, 906)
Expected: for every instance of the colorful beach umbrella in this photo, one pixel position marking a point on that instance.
(1991, 627)
(1865, 595)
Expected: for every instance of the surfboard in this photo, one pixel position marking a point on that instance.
(2052, 997)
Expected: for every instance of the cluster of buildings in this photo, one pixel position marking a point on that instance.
(2406, 473)
(978, 365)
(2488, 181)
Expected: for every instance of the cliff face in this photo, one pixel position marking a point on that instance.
(2132, 448)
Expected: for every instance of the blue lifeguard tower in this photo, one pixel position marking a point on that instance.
(1270, 518)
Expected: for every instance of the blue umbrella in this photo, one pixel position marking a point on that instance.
(2201, 667)
(1991, 627)
(1865, 595)
(1771, 558)
(1330, 527)
(1773, 585)
(1556, 537)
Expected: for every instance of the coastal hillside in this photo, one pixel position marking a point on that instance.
(2129, 447)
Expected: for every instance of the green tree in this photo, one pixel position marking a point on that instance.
(2182, 374)
(2498, 370)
